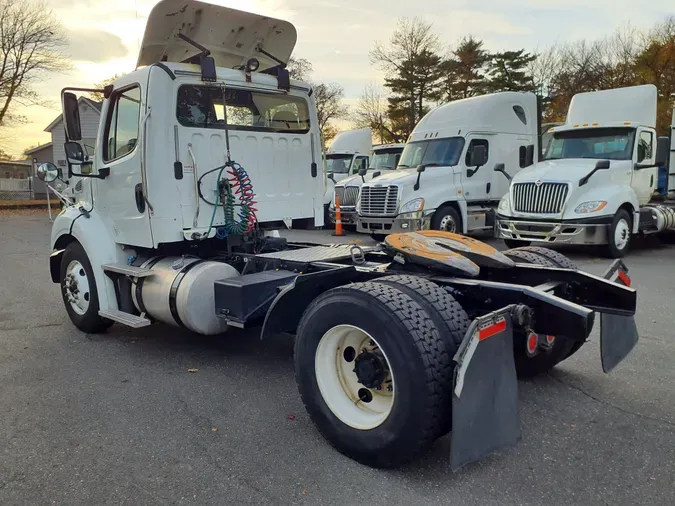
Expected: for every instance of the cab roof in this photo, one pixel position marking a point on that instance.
(232, 36)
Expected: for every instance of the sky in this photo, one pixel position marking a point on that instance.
(335, 35)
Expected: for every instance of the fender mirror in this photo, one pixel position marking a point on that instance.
(330, 176)
(500, 167)
(600, 165)
(71, 116)
(48, 172)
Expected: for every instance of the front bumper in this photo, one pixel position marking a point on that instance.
(394, 224)
(561, 232)
(347, 216)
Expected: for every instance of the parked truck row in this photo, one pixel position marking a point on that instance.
(480, 164)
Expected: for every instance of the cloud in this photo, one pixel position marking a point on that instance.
(95, 46)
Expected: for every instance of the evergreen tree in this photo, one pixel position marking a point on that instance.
(508, 71)
(465, 70)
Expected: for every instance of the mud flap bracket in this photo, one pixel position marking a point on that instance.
(618, 333)
(485, 416)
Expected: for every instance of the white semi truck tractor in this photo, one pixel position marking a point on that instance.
(442, 181)
(202, 151)
(385, 159)
(602, 180)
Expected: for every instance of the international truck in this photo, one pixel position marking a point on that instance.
(603, 178)
(202, 151)
(385, 159)
(443, 181)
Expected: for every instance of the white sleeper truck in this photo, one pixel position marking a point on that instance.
(443, 181)
(603, 178)
(385, 159)
(202, 151)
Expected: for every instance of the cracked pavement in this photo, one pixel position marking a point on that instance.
(118, 419)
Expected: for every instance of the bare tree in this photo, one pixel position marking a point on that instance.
(32, 43)
(299, 68)
(329, 107)
(98, 97)
(371, 112)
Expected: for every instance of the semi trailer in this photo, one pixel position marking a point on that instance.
(442, 181)
(202, 151)
(603, 178)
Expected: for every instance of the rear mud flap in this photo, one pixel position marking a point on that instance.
(618, 333)
(485, 416)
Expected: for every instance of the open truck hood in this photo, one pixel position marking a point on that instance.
(231, 35)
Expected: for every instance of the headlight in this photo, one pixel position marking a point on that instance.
(590, 207)
(504, 204)
(412, 206)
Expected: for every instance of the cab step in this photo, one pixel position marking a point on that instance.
(128, 270)
(128, 319)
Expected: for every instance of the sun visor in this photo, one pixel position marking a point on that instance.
(231, 35)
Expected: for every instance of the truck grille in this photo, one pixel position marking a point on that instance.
(347, 195)
(547, 198)
(379, 200)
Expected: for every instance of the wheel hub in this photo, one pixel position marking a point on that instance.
(76, 287)
(371, 368)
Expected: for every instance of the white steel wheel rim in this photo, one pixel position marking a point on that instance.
(621, 234)
(448, 224)
(339, 385)
(76, 287)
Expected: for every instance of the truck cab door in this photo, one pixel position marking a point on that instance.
(477, 184)
(361, 162)
(644, 179)
(120, 197)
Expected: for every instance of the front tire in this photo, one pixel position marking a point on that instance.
(79, 292)
(447, 219)
(352, 340)
(619, 234)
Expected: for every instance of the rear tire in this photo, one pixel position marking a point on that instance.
(619, 234)
(528, 367)
(446, 313)
(514, 243)
(79, 292)
(419, 365)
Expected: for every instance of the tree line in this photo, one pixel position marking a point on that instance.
(420, 74)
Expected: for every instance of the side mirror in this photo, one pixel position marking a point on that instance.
(74, 153)
(48, 172)
(478, 156)
(71, 116)
(500, 167)
(529, 155)
(662, 151)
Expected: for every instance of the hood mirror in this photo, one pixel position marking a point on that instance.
(48, 172)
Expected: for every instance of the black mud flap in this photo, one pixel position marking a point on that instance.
(485, 416)
(618, 333)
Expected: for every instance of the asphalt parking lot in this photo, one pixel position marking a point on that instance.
(118, 419)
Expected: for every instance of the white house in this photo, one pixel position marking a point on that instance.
(90, 114)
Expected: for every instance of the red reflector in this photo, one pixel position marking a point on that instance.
(493, 329)
(550, 339)
(624, 278)
(532, 342)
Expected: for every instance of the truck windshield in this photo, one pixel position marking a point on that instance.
(339, 164)
(386, 158)
(437, 152)
(202, 107)
(596, 143)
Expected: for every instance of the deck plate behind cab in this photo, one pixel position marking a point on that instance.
(447, 251)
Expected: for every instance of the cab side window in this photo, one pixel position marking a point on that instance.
(122, 124)
(361, 163)
(469, 152)
(645, 146)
